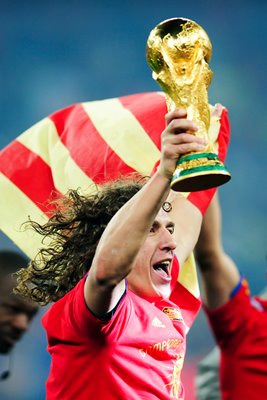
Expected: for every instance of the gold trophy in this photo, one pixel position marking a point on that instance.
(178, 52)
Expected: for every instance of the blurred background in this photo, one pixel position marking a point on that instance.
(56, 53)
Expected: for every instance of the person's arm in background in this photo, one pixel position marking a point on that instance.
(219, 277)
(218, 271)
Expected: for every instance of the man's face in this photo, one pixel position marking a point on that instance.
(15, 315)
(151, 275)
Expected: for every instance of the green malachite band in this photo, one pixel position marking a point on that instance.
(209, 156)
(198, 169)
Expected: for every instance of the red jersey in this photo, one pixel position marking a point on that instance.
(137, 354)
(240, 327)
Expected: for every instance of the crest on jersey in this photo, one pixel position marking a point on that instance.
(173, 313)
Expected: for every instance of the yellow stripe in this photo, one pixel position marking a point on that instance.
(123, 133)
(188, 276)
(42, 139)
(214, 129)
(15, 208)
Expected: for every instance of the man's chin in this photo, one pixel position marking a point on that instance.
(163, 292)
(154, 293)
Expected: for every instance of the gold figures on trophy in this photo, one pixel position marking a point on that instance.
(178, 52)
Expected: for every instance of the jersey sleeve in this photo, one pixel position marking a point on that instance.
(232, 322)
(70, 317)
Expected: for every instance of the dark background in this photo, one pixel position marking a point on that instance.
(56, 53)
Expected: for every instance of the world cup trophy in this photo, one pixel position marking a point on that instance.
(178, 52)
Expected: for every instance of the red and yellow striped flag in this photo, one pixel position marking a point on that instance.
(76, 146)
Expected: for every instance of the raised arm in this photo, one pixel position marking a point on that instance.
(187, 212)
(128, 229)
(218, 271)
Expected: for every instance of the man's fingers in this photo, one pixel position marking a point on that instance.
(176, 145)
(175, 150)
(177, 126)
(185, 138)
(189, 147)
(177, 113)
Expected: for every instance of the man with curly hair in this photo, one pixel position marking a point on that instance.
(115, 330)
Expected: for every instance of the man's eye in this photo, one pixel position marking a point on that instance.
(171, 229)
(152, 229)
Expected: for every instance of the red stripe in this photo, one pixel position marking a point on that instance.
(86, 146)
(175, 272)
(29, 173)
(224, 136)
(188, 303)
(149, 109)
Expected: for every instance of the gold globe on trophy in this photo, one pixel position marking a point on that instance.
(178, 52)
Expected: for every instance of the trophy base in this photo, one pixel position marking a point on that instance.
(199, 171)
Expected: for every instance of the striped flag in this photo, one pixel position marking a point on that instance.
(85, 143)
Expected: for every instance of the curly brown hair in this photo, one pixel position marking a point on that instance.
(74, 230)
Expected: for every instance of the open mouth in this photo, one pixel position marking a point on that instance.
(163, 268)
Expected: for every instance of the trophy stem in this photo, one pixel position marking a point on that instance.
(199, 171)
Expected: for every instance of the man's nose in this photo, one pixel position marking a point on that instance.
(21, 322)
(167, 241)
